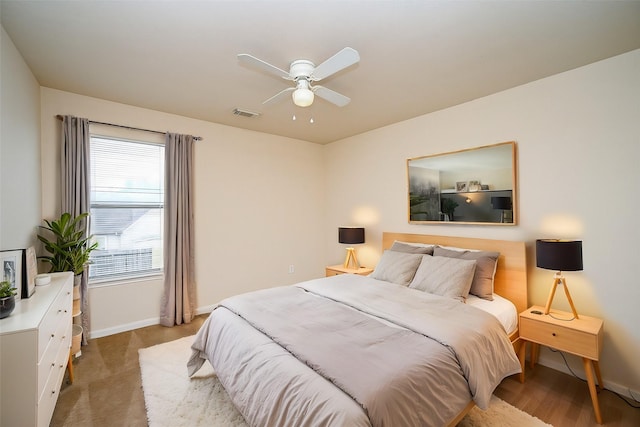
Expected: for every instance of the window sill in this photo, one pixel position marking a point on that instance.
(126, 280)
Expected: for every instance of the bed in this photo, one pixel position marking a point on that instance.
(351, 350)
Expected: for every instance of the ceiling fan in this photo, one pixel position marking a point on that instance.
(303, 72)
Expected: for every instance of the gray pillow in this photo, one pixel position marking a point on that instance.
(411, 249)
(482, 285)
(397, 267)
(448, 277)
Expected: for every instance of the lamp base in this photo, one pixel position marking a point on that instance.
(560, 280)
(351, 261)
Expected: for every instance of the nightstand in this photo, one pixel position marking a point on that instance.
(334, 270)
(581, 337)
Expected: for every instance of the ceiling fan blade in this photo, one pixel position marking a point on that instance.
(331, 96)
(264, 66)
(341, 60)
(279, 95)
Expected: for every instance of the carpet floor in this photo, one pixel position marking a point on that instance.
(172, 399)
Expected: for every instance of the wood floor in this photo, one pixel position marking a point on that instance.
(563, 400)
(107, 390)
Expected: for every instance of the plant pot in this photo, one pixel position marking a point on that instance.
(76, 308)
(7, 304)
(77, 280)
(76, 338)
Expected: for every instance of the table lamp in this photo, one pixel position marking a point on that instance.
(502, 203)
(559, 255)
(351, 236)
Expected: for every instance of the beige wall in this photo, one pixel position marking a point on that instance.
(19, 149)
(578, 136)
(259, 208)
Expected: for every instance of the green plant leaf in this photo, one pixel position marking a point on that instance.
(69, 249)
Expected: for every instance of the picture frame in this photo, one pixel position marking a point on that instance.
(473, 185)
(494, 167)
(30, 269)
(11, 263)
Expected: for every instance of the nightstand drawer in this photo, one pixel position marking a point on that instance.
(334, 270)
(561, 338)
(329, 272)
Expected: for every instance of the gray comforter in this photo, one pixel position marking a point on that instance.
(350, 350)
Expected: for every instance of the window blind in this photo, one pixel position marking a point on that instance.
(127, 206)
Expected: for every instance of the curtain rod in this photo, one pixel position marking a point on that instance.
(196, 138)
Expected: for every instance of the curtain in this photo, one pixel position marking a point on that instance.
(178, 301)
(75, 190)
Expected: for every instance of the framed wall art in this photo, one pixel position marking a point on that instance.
(11, 263)
(473, 185)
(458, 187)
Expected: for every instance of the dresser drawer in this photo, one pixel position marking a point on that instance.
(59, 312)
(574, 341)
(47, 400)
(50, 359)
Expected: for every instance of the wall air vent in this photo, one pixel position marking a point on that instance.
(244, 113)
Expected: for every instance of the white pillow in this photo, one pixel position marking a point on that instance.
(397, 267)
(448, 277)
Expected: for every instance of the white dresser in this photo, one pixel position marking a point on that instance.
(34, 351)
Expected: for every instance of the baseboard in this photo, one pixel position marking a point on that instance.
(140, 324)
(124, 328)
(617, 388)
(205, 310)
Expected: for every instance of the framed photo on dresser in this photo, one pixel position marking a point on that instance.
(30, 270)
(11, 263)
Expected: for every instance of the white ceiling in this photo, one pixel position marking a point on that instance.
(416, 56)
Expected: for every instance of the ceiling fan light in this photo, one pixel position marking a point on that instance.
(302, 97)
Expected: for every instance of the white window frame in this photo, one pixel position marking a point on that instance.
(154, 273)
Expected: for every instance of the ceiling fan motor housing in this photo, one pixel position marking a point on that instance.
(301, 68)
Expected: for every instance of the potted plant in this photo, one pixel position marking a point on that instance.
(448, 206)
(69, 249)
(7, 299)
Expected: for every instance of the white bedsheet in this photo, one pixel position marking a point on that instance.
(500, 307)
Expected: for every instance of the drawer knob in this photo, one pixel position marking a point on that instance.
(553, 333)
(52, 335)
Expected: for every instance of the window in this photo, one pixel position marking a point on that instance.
(127, 206)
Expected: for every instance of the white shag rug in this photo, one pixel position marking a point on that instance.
(174, 400)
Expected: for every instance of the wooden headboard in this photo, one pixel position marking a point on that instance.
(511, 272)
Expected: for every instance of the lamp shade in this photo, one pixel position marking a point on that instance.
(501, 202)
(559, 255)
(351, 235)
